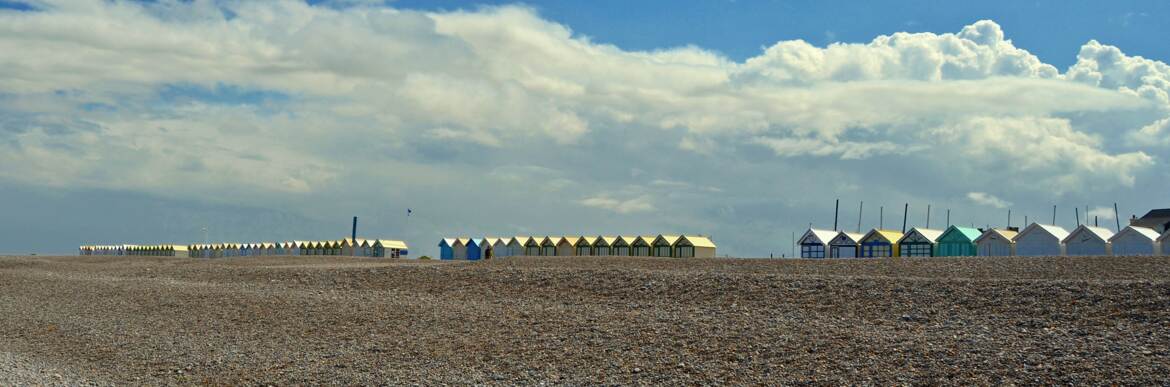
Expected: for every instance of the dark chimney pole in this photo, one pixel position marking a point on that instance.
(836, 211)
(353, 231)
(905, 215)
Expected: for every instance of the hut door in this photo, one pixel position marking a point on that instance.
(487, 254)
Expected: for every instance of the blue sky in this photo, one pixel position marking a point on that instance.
(1053, 30)
(143, 122)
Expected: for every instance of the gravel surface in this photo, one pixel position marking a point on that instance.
(316, 320)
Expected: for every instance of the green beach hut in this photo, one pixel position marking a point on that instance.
(958, 242)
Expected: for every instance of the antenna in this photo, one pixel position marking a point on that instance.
(859, 211)
(836, 210)
(1116, 217)
(905, 214)
(927, 216)
(881, 217)
(1095, 224)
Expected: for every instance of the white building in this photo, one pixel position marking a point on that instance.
(845, 245)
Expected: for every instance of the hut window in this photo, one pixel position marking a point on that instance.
(662, 251)
(812, 251)
(686, 251)
(916, 250)
(882, 250)
(583, 250)
(532, 251)
(641, 251)
(602, 250)
(550, 251)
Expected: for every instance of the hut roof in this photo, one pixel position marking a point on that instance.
(1145, 232)
(1100, 233)
(817, 236)
(1008, 235)
(967, 232)
(1059, 232)
(888, 235)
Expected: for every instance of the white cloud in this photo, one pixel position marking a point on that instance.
(499, 105)
(986, 199)
(642, 203)
(1104, 213)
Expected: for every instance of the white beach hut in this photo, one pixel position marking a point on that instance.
(1039, 240)
(1088, 240)
(996, 242)
(815, 243)
(1135, 240)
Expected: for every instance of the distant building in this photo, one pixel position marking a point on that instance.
(1158, 220)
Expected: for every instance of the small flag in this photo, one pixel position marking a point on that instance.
(408, 211)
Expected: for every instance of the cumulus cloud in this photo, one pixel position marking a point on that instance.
(986, 199)
(499, 105)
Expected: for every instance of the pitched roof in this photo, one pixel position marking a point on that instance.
(1159, 213)
(699, 241)
(967, 232)
(823, 236)
(930, 234)
(889, 235)
(852, 236)
(607, 240)
(1146, 232)
(670, 239)
(1059, 232)
(1008, 235)
(392, 244)
(1101, 233)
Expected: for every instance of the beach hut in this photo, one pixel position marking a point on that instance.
(473, 250)
(815, 243)
(845, 245)
(694, 246)
(958, 242)
(996, 242)
(621, 245)
(548, 247)
(919, 242)
(531, 246)
(1039, 240)
(565, 245)
(516, 246)
(583, 247)
(640, 246)
(388, 248)
(446, 249)
(602, 246)
(1135, 240)
(179, 251)
(459, 249)
(663, 246)
(1088, 240)
(880, 244)
(500, 248)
